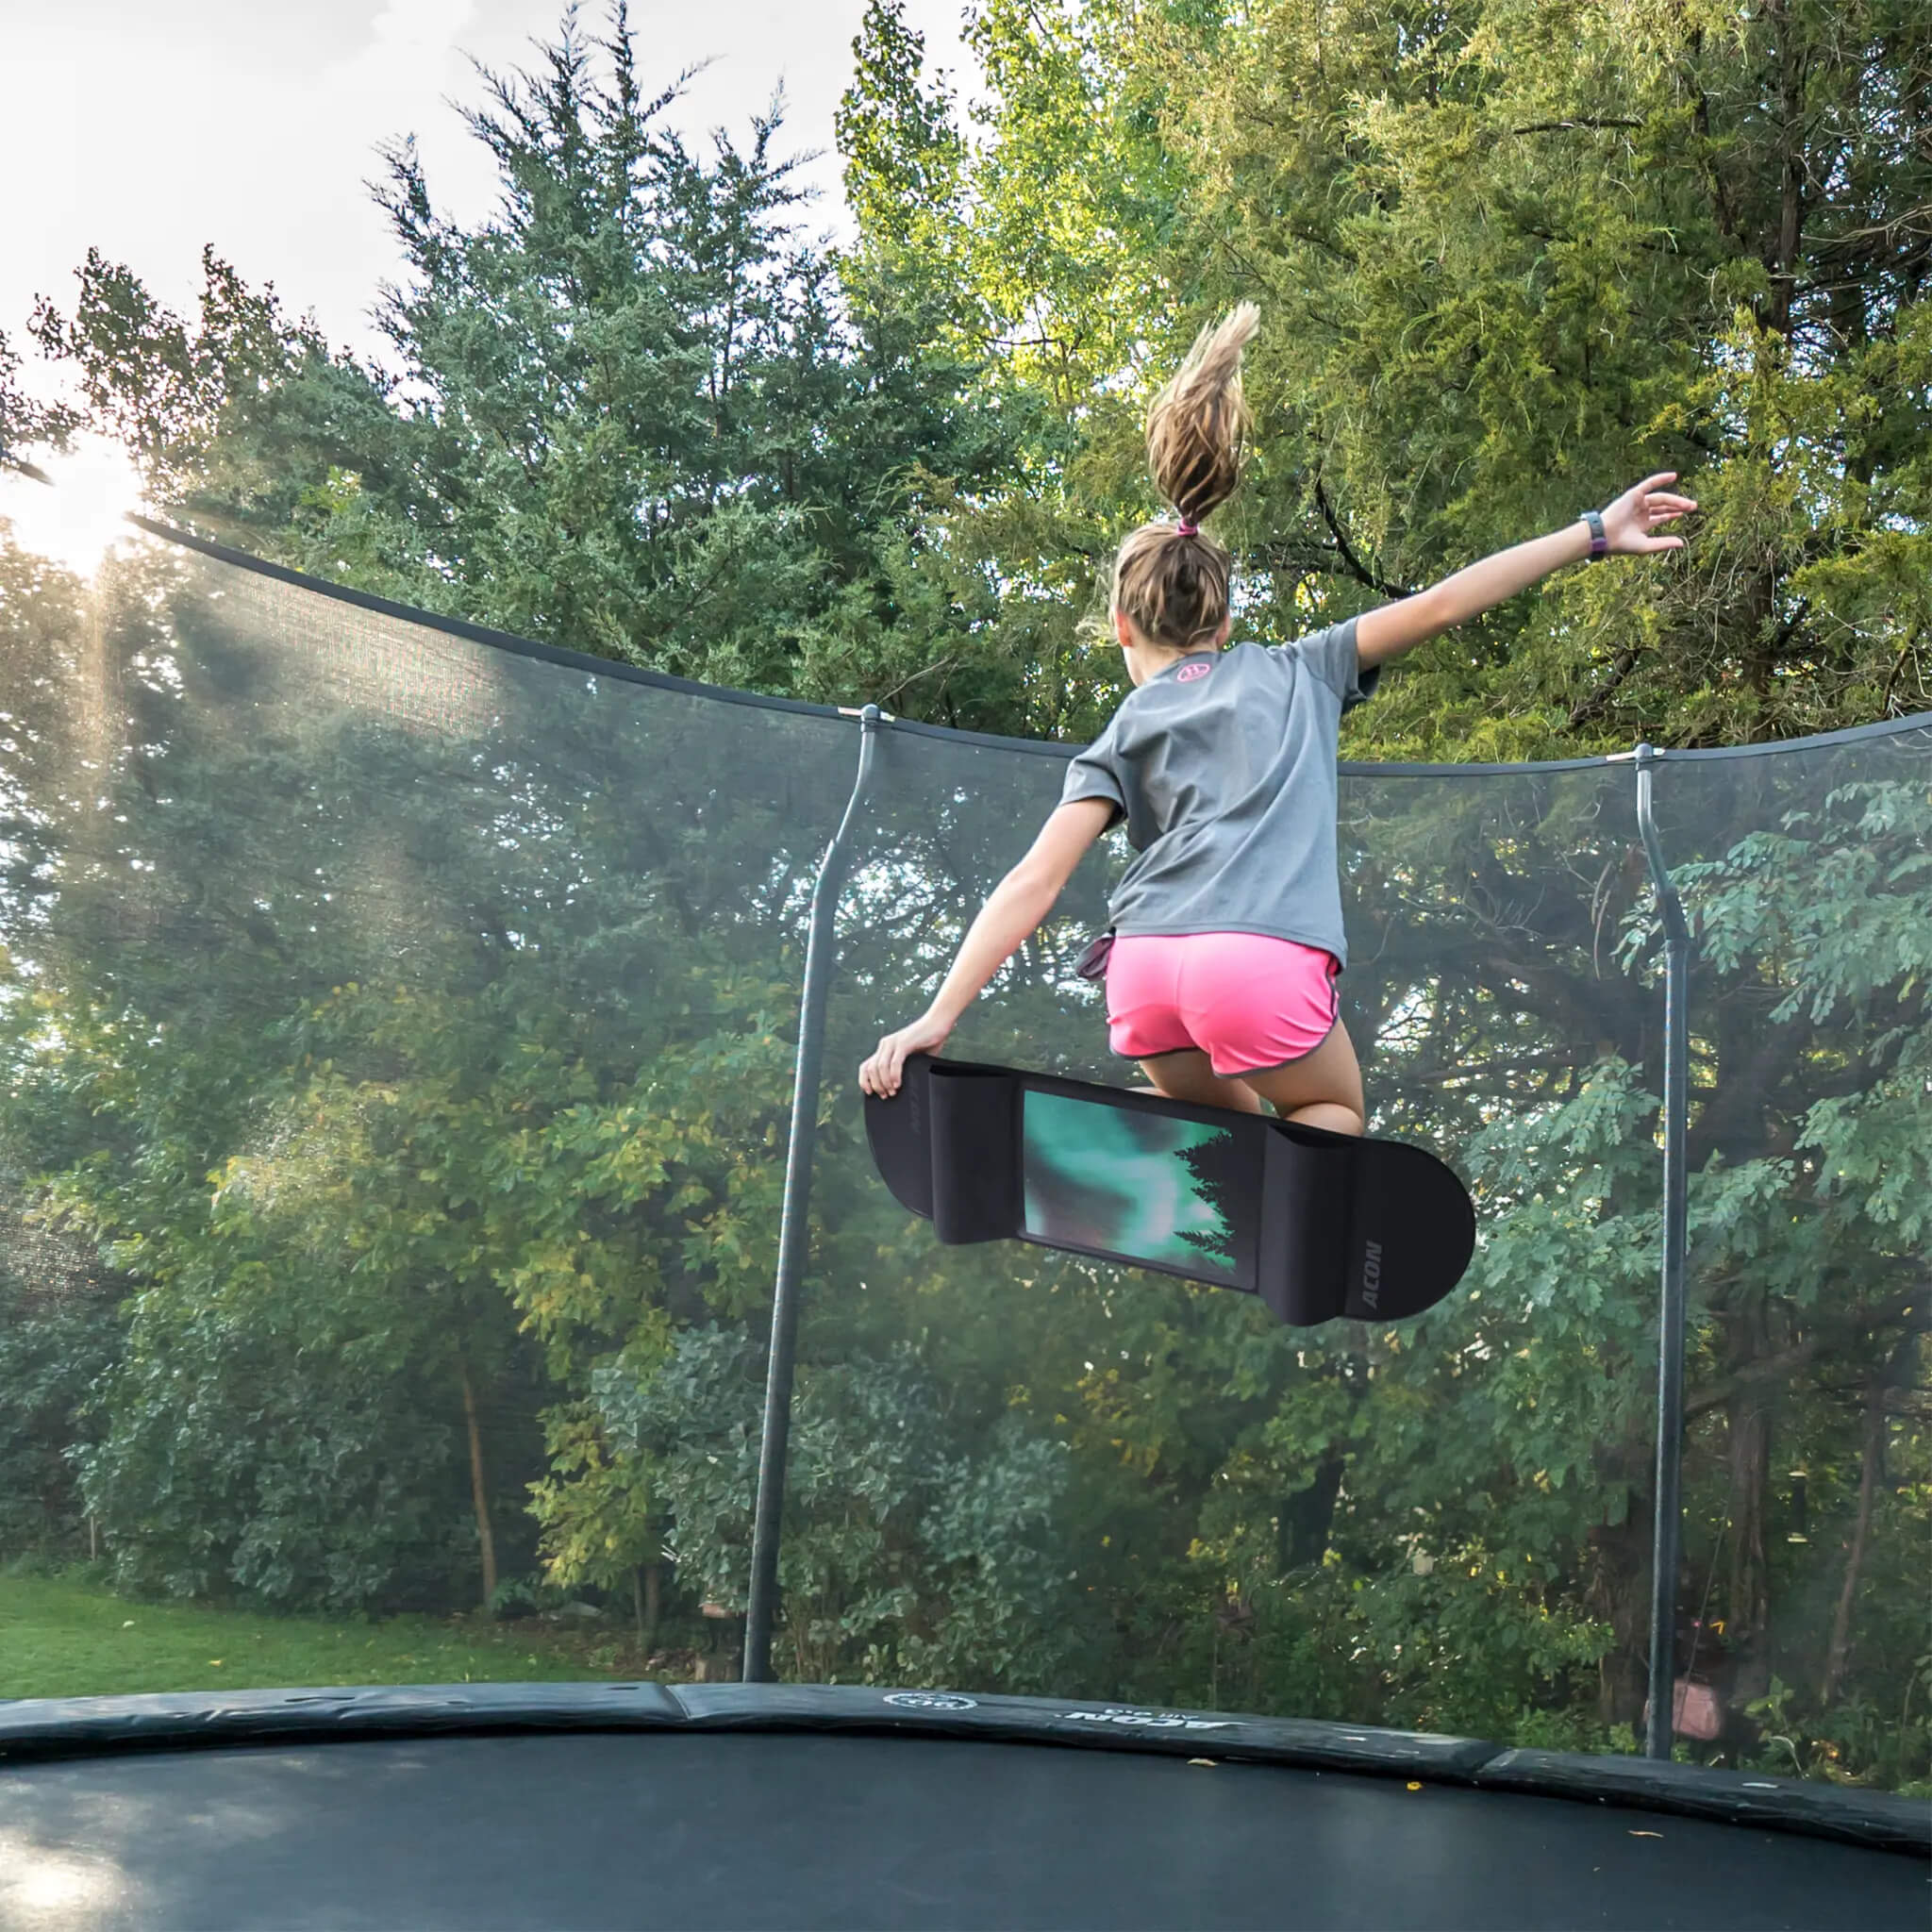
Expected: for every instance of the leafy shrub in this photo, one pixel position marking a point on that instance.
(919, 1543)
(53, 1352)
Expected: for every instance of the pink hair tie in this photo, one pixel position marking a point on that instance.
(1184, 528)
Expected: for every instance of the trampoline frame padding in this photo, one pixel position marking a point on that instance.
(46, 1727)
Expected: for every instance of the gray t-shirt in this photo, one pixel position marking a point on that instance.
(1222, 764)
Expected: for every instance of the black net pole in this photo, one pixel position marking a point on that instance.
(1669, 1347)
(761, 1608)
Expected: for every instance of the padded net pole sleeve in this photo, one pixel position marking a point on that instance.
(775, 1438)
(1670, 1346)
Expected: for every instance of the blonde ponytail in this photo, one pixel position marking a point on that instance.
(1198, 424)
(1169, 579)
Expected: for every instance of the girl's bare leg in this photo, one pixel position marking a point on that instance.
(1189, 1076)
(1323, 1089)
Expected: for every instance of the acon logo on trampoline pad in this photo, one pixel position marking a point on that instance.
(930, 1700)
(1152, 1720)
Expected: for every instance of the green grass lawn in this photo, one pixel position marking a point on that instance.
(60, 1637)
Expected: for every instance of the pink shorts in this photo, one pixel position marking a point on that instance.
(1246, 1001)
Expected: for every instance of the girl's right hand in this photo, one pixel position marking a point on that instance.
(880, 1074)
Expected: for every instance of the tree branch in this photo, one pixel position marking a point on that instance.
(1582, 121)
(1774, 1368)
(1594, 704)
(1362, 572)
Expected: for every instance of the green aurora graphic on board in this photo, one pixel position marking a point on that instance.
(1141, 1185)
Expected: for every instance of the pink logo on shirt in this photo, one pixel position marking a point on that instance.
(1188, 672)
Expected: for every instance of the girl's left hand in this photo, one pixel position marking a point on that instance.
(1629, 521)
(880, 1074)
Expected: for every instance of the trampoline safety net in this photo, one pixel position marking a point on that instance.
(398, 1028)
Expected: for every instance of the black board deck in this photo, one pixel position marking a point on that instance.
(1318, 1224)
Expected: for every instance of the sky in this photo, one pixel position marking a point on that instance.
(147, 128)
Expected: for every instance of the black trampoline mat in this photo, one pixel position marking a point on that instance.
(785, 1830)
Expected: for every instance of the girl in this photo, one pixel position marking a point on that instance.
(1227, 925)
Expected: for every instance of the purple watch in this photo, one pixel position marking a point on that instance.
(1599, 540)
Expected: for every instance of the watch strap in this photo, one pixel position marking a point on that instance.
(1599, 538)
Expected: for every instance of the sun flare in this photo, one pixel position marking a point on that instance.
(76, 518)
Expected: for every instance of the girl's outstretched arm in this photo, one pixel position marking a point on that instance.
(1392, 628)
(1009, 917)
